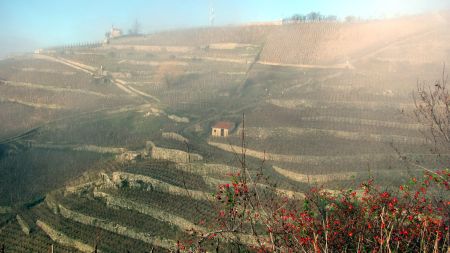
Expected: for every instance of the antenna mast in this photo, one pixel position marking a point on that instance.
(212, 15)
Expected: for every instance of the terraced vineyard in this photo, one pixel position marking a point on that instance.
(114, 214)
(110, 146)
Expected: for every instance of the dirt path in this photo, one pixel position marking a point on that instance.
(72, 64)
(309, 178)
(89, 148)
(217, 59)
(312, 159)
(366, 122)
(121, 84)
(31, 104)
(332, 103)
(51, 88)
(135, 92)
(295, 132)
(309, 66)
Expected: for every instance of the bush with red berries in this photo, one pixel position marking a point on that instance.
(412, 218)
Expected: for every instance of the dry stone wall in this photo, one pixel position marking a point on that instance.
(23, 225)
(174, 155)
(175, 136)
(134, 180)
(147, 210)
(115, 228)
(63, 239)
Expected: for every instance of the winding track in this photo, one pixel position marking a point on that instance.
(122, 85)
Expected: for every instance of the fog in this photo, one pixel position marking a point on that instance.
(28, 25)
(142, 126)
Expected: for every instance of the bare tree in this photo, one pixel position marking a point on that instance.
(350, 19)
(331, 18)
(314, 16)
(432, 110)
(298, 17)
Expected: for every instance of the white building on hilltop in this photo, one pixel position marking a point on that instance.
(113, 33)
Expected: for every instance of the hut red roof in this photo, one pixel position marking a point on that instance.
(224, 124)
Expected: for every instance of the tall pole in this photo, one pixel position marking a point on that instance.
(212, 15)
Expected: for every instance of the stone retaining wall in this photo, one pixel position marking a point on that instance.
(63, 239)
(116, 228)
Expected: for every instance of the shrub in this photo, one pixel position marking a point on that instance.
(413, 218)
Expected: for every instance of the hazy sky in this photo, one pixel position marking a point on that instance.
(28, 24)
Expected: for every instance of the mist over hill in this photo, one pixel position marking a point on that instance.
(115, 139)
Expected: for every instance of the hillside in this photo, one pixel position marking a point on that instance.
(111, 145)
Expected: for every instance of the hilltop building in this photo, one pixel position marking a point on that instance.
(115, 32)
(222, 129)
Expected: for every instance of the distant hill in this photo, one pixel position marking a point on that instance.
(308, 43)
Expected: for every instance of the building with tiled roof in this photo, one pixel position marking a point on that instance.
(222, 128)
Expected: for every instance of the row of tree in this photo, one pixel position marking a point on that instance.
(315, 17)
(135, 29)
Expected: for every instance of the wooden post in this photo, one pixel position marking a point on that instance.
(3, 248)
(51, 248)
